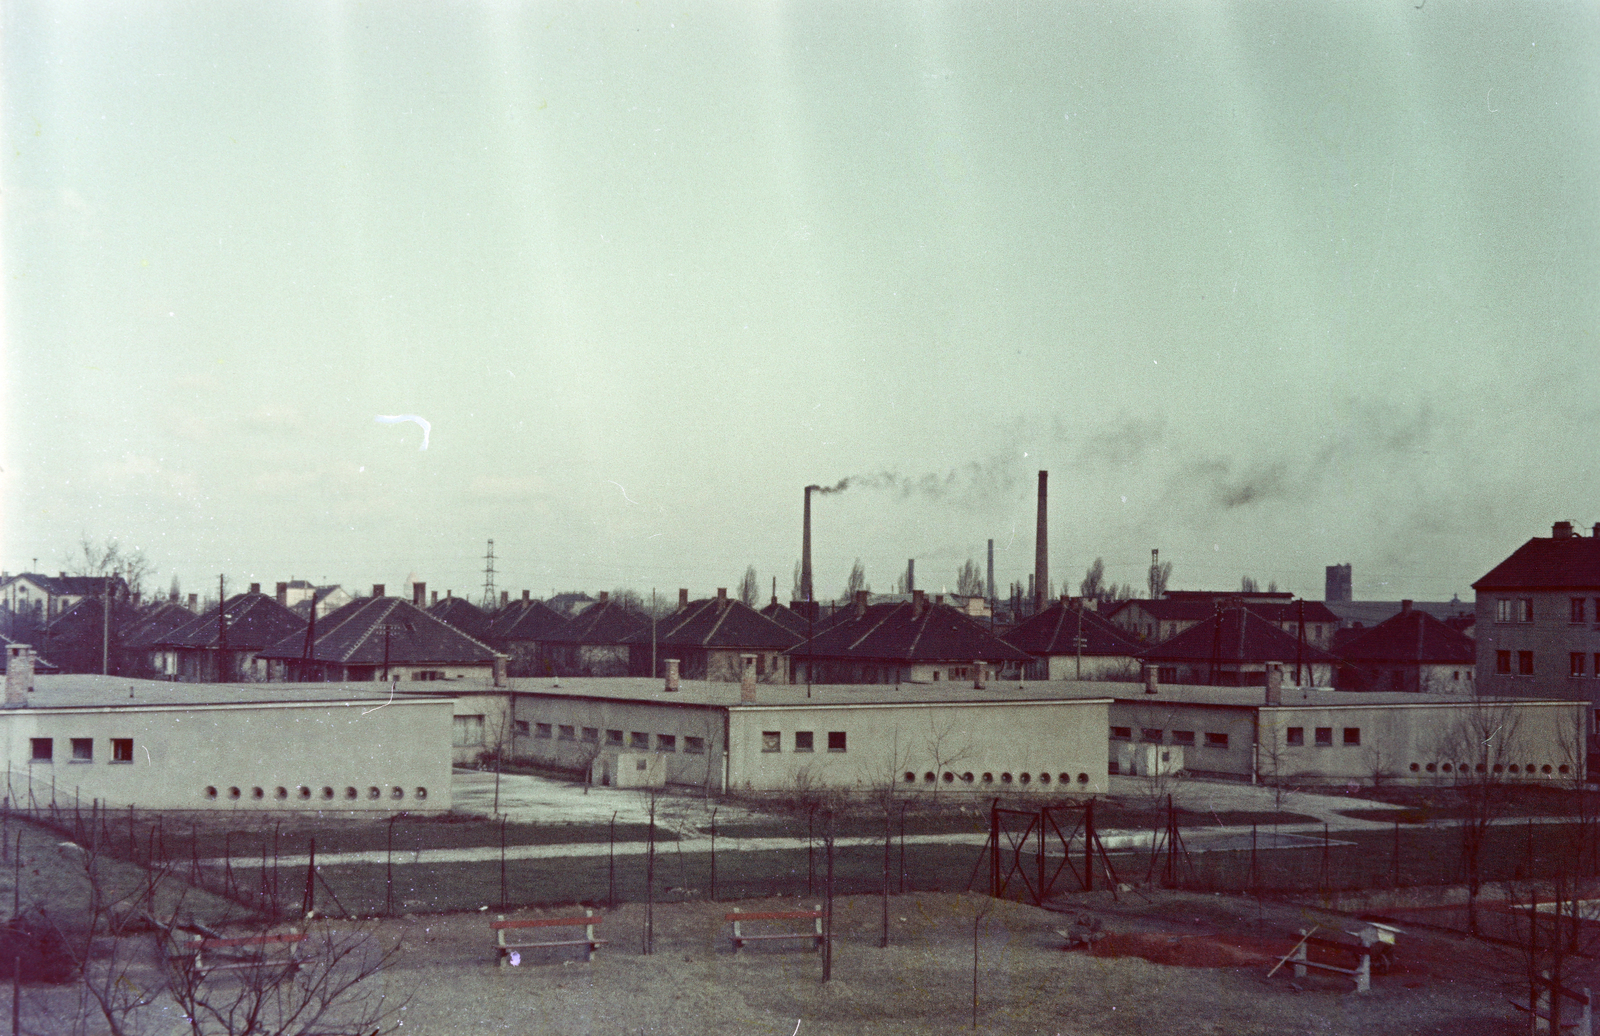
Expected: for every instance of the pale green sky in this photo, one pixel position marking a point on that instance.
(1268, 286)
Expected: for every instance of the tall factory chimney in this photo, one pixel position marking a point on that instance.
(991, 575)
(1041, 549)
(911, 575)
(805, 551)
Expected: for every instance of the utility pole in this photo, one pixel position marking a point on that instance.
(105, 630)
(488, 578)
(222, 628)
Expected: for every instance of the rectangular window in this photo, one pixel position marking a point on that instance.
(1502, 663)
(1577, 659)
(122, 749)
(567, 733)
(1183, 737)
(83, 749)
(1513, 609)
(1167, 674)
(771, 741)
(802, 741)
(614, 737)
(468, 732)
(1297, 735)
(1352, 735)
(639, 739)
(522, 727)
(44, 750)
(1150, 734)
(694, 745)
(1216, 740)
(1580, 609)
(1122, 733)
(1524, 663)
(836, 741)
(541, 730)
(591, 734)
(1502, 609)
(1324, 736)
(666, 742)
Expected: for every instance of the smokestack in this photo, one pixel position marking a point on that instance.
(672, 674)
(283, 594)
(419, 594)
(19, 675)
(1041, 548)
(1274, 683)
(911, 574)
(805, 550)
(991, 574)
(747, 682)
(377, 589)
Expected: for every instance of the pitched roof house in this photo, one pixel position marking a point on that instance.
(380, 638)
(523, 630)
(1412, 652)
(1233, 648)
(1069, 641)
(709, 637)
(918, 641)
(1154, 621)
(220, 648)
(595, 642)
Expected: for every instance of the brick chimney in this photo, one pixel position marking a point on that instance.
(194, 602)
(526, 597)
(255, 588)
(1151, 676)
(505, 598)
(861, 603)
(672, 674)
(919, 604)
(435, 597)
(605, 597)
(977, 674)
(1561, 531)
(282, 594)
(683, 597)
(19, 675)
(377, 589)
(419, 594)
(747, 681)
(1274, 683)
(722, 598)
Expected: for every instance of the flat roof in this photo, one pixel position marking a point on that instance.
(703, 693)
(92, 690)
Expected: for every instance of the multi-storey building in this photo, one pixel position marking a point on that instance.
(1538, 620)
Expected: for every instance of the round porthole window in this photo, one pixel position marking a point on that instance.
(211, 791)
(927, 778)
(911, 778)
(282, 793)
(1083, 778)
(948, 777)
(257, 793)
(1005, 778)
(373, 792)
(1513, 767)
(1415, 767)
(1545, 768)
(1432, 767)
(397, 793)
(422, 793)
(350, 793)
(1446, 767)
(1025, 778)
(233, 793)
(304, 792)
(967, 777)
(327, 793)
(1044, 778)
(988, 778)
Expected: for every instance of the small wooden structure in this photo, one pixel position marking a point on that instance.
(504, 944)
(251, 951)
(1372, 941)
(740, 936)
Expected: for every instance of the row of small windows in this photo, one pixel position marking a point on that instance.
(44, 749)
(304, 794)
(950, 777)
(1520, 609)
(1323, 736)
(1514, 768)
(804, 741)
(1154, 736)
(638, 740)
(1502, 663)
(1575, 663)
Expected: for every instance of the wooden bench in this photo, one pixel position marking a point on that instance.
(504, 946)
(1582, 1025)
(740, 937)
(250, 951)
(1373, 940)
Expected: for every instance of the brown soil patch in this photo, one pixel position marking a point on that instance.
(1190, 951)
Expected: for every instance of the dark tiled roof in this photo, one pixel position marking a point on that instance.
(527, 621)
(895, 631)
(68, 586)
(463, 615)
(604, 623)
(1195, 607)
(1571, 562)
(253, 621)
(1055, 630)
(1244, 637)
(355, 634)
(724, 623)
(151, 625)
(786, 617)
(1411, 636)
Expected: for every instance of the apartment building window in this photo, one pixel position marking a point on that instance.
(1150, 734)
(541, 730)
(639, 739)
(591, 735)
(802, 740)
(1296, 735)
(1502, 663)
(1513, 609)
(1352, 736)
(1577, 659)
(694, 745)
(567, 733)
(771, 741)
(1183, 737)
(1216, 740)
(666, 742)
(1122, 733)
(836, 741)
(468, 732)
(44, 749)
(122, 749)
(83, 749)
(1580, 609)
(1524, 663)
(1325, 737)
(614, 737)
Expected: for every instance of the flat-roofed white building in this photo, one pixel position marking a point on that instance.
(160, 745)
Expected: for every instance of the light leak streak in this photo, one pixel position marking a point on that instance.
(403, 418)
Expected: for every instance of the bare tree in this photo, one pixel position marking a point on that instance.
(750, 587)
(969, 580)
(1160, 573)
(794, 594)
(1478, 747)
(1247, 585)
(857, 581)
(947, 745)
(109, 558)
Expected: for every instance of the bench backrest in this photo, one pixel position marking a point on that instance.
(204, 943)
(775, 915)
(545, 922)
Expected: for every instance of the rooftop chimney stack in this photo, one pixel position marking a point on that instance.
(505, 597)
(1151, 676)
(919, 603)
(19, 675)
(861, 603)
(1041, 549)
(683, 597)
(605, 597)
(377, 589)
(435, 598)
(419, 594)
(255, 588)
(1274, 683)
(805, 550)
(672, 674)
(194, 602)
(283, 595)
(1562, 531)
(977, 674)
(526, 597)
(747, 682)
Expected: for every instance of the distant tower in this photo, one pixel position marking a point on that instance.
(488, 578)
(1336, 586)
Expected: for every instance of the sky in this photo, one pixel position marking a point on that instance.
(1265, 286)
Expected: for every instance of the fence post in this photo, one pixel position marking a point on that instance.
(902, 848)
(309, 902)
(502, 863)
(1397, 854)
(713, 855)
(1088, 846)
(994, 848)
(388, 873)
